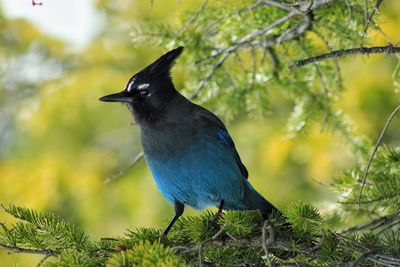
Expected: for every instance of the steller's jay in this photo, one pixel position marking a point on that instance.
(188, 149)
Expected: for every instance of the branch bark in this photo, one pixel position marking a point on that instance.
(389, 49)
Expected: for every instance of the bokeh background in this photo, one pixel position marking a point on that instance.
(58, 143)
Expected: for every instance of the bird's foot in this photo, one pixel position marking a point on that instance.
(216, 217)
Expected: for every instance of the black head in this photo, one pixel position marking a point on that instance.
(149, 90)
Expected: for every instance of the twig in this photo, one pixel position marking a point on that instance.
(261, 31)
(306, 10)
(193, 18)
(378, 142)
(337, 67)
(220, 231)
(231, 236)
(366, 22)
(374, 223)
(323, 81)
(209, 75)
(384, 35)
(360, 258)
(236, 12)
(388, 259)
(389, 49)
(43, 260)
(200, 254)
(319, 244)
(387, 226)
(213, 238)
(225, 52)
(255, 33)
(3, 226)
(369, 201)
(320, 182)
(388, 220)
(274, 60)
(124, 170)
(278, 5)
(383, 263)
(265, 242)
(16, 249)
(109, 239)
(369, 19)
(254, 68)
(349, 9)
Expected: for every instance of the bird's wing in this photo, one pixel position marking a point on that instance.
(212, 124)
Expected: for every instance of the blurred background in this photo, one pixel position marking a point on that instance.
(59, 144)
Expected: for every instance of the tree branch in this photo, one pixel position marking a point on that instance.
(124, 170)
(378, 142)
(193, 18)
(389, 49)
(374, 224)
(369, 19)
(266, 242)
(16, 249)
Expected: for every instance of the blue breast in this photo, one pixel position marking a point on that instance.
(200, 175)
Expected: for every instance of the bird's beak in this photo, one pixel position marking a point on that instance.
(118, 97)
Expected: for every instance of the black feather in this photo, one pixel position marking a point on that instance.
(164, 64)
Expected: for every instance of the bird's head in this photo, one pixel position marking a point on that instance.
(151, 88)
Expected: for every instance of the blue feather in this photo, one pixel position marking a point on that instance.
(203, 174)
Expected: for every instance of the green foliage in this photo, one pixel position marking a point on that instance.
(240, 58)
(240, 224)
(382, 188)
(239, 239)
(305, 219)
(146, 254)
(43, 231)
(193, 229)
(73, 258)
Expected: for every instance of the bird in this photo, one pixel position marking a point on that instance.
(188, 149)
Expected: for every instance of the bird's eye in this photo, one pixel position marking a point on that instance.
(144, 92)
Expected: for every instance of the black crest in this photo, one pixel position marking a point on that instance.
(163, 65)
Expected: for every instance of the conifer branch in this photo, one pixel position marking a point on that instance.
(389, 49)
(266, 242)
(291, 34)
(43, 260)
(349, 10)
(378, 142)
(242, 10)
(250, 241)
(124, 170)
(193, 18)
(15, 249)
(369, 18)
(375, 223)
(366, 21)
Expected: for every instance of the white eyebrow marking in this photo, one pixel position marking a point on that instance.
(129, 85)
(143, 86)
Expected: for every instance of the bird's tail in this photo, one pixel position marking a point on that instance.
(254, 201)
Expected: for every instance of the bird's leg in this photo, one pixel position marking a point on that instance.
(179, 207)
(219, 212)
